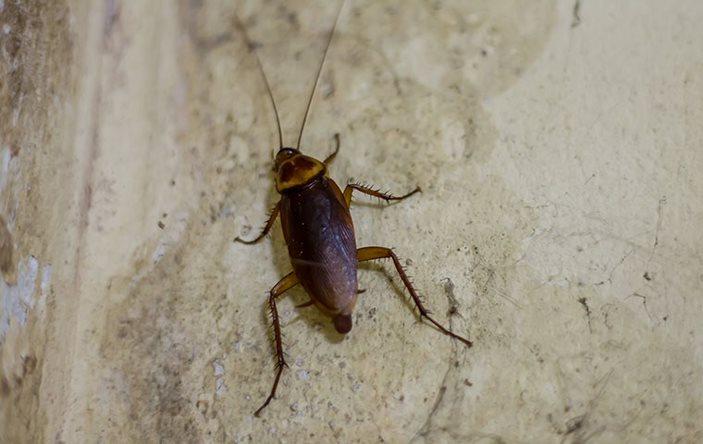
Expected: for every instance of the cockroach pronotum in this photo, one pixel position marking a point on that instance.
(319, 232)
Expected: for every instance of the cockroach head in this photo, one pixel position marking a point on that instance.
(282, 155)
(293, 169)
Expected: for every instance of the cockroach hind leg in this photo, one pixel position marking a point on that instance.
(370, 253)
(287, 282)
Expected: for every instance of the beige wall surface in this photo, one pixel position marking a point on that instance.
(559, 146)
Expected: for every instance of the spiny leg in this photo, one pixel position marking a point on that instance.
(264, 231)
(289, 281)
(375, 193)
(330, 158)
(369, 253)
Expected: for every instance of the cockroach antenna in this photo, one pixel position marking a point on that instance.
(252, 48)
(319, 70)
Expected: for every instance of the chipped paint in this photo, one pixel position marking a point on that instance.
(18, 300)
(219, 372)
(170, 236)
(45, 284)
(303, 375)
(5, 168)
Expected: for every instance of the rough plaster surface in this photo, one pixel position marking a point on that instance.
(559, 147)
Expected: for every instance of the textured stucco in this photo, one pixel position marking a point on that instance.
(559, 146)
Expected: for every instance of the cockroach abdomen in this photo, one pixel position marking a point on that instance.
(343, 323)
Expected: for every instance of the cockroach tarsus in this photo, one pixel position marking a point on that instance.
(319, 232)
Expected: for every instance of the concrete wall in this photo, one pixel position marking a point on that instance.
(559, 148)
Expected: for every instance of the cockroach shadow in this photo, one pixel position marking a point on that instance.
(319, 232)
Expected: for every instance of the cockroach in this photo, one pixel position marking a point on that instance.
(319, 232)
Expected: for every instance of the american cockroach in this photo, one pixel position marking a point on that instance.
(319, 232)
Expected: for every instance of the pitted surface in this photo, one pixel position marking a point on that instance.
(558, 148)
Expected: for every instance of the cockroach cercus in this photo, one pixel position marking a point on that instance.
(318, 230)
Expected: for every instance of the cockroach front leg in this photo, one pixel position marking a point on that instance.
(375, 193)
(370, 253)
(330, 158)
(288, 282)
(264, 231)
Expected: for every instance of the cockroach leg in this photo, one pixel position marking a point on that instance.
(264, 231)
(305, 304)
(330, 158)
(370, 253)
(289, 281)
(375, 193)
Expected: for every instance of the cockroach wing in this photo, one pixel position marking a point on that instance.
(319, 233)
